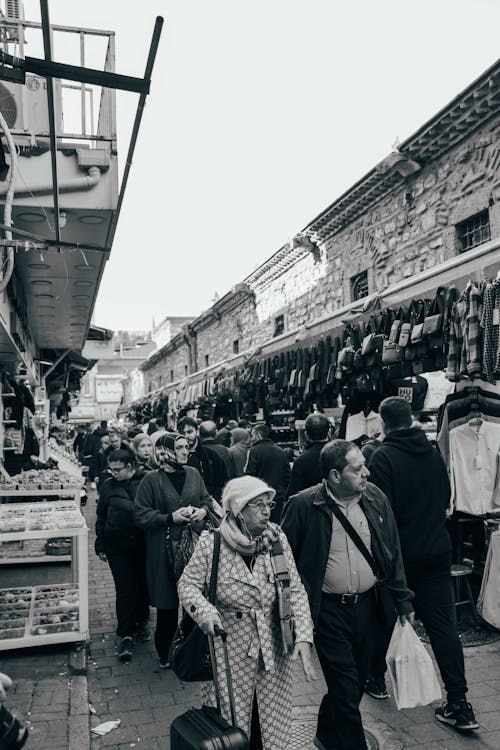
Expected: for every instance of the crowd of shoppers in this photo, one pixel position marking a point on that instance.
(355, 541)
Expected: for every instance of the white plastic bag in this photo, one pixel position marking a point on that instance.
(488, 603)
(413, 677)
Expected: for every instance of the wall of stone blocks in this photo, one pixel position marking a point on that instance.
(412, 229)
(159, 375)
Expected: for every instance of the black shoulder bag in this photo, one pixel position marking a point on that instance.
(386, 604)
(189, 654)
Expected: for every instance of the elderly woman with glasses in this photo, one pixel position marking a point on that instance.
(259, 593)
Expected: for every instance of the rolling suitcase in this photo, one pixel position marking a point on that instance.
(205, 728)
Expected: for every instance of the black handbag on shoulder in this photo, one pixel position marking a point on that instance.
(189, 654)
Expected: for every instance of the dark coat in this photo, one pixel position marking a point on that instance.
(115, 527)
(224, 454)
(308, 526)
(269, 462)
(211, 467)
(412, 474)
(156, 498)
(305, 470)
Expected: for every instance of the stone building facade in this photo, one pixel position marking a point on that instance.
(434, 198)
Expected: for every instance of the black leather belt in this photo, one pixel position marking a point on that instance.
(350, 600)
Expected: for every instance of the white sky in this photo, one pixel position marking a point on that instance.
(261, 114)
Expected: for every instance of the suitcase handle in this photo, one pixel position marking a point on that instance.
(223, 636)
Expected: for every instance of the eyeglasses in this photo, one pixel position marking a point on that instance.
(114, 472)
(261, 506)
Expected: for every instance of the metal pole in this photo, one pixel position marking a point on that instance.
(47, 47)
(135, 131)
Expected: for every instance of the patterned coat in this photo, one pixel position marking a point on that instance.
(247, 604)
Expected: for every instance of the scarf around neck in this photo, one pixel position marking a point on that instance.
(237, 541)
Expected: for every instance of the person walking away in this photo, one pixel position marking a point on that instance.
(305, 470)
(269, 462)
(208, 435)
(203, 458)
(240, 445)
(167, 499)
(341, 583)
(121, 544)
(410, 471)
(247, 608)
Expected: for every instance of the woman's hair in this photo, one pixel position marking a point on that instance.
(333, 456)
(124, 456)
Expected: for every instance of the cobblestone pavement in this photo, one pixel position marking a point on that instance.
(145, 699)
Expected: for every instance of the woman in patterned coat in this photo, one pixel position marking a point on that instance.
(246, 607)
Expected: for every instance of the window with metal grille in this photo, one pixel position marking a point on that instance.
(279, 325)
(474, 231)
(236, 346)
(359, 286)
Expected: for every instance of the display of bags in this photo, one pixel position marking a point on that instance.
(392, 353)
(413, 677)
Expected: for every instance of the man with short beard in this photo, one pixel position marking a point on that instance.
(201, 457)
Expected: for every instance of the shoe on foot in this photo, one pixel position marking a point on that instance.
(375, 686)
(164, 662)
(126, 649)
(143, 633)
(459, 715)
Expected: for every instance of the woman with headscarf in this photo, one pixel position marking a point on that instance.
(249, 599)
(240, 445)
(143, 448)
(167, 499)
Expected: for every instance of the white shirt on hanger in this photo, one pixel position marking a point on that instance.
(474, 467)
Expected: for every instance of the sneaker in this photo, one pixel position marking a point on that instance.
(459, 715)
(164, 662)
(375, 686)
(126, 649)
(142, 633)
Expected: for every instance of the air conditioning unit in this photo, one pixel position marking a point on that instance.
(25, 107)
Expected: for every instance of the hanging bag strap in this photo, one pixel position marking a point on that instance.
(212, 588)
(351, 531)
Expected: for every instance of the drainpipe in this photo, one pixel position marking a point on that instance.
(75, 184)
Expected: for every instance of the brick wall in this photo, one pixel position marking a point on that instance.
(159, 374)
(412, 229)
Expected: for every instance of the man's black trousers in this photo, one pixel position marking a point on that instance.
(344, 642)
(435, 606)
(129, 574)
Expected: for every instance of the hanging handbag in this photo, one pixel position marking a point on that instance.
(189, 654)
(433, 321)
(391, 353)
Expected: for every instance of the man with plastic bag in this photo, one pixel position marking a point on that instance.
(410, 471)
(341, 581)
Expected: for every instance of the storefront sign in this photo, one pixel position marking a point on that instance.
(108, 390)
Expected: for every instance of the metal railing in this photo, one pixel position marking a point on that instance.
(82, 122)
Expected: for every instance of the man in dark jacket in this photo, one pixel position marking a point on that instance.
(121, 544)
(208, 436)
(341, 584)
(210, 465)
(269, 462)
(305, 470)
(410, 471)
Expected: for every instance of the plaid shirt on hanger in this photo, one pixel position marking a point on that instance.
(466, 336)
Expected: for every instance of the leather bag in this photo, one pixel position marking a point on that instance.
(189, 654)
